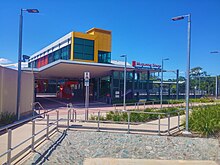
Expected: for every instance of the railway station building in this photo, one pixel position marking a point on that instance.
(59, 69)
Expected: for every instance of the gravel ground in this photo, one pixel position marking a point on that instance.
(72, 147)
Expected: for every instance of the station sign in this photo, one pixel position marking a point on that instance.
(86, 82)
(139, 64)
(86, 75)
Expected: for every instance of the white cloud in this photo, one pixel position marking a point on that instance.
(4, 61)
(15, 65)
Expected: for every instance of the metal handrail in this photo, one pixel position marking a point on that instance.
(37, 103)
(10, 148)
(25, 120)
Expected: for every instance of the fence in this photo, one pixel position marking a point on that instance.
(72, 116)
(143, 104)
(34, 134)
(155, 124)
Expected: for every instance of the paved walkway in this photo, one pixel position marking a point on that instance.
(111, 161)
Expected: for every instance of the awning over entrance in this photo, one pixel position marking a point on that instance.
(75, 69)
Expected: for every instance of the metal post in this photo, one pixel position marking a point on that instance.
(125, 72)
(187, 76)
(19, 66)
(216, 87)
(68, 119)
(75, 115)
(87, 103)
(161, 87)
(169, 123)
(9, 147)
(47, 133)
(98, 121)
(178, 120)
(128, 121)
(177, 84)
(158, 124)
(33, 135)
(57, 120)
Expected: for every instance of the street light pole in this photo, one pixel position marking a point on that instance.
(19, 59)
(216, 87)
(187, 67)
(216, 80)
(125, 78)
(161, 84)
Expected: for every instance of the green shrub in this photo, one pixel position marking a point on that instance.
(7, 118)
(205, 120)
(137, 117)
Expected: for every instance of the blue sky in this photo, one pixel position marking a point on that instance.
(142, 29)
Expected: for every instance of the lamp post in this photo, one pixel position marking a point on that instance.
(161, 84)
(19, 58)
(216, 79)
(187, 68)
(125, 72)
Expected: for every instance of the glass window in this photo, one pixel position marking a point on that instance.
(88, 57)
(104, 57)
(78, 48)
(50, 58)
(83, 49)
(78, 55)
(89, 43)
(65, 52)
(78, 41)
(56, 55)
(88, 50)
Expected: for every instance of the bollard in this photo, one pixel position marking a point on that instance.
(158, 124)
(128, 122)
(153, 103)
(33, 135)
(144, 105)
(57, 120)
(178, 121)
(169, 123)
(98, 121)
(47, 133)
(9, 147)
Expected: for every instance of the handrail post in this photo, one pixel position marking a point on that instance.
(68, 119)
(128, 121)
(98, 121)
(75, 115)
(9, 147)
(57, 120)
(169, 123)
(33, 135)
(72, 115)
(158, 124)
(47, 133)
(179, 120)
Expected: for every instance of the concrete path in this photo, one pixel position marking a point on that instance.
(111, 161)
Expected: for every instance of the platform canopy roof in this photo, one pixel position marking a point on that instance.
(75, 69)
